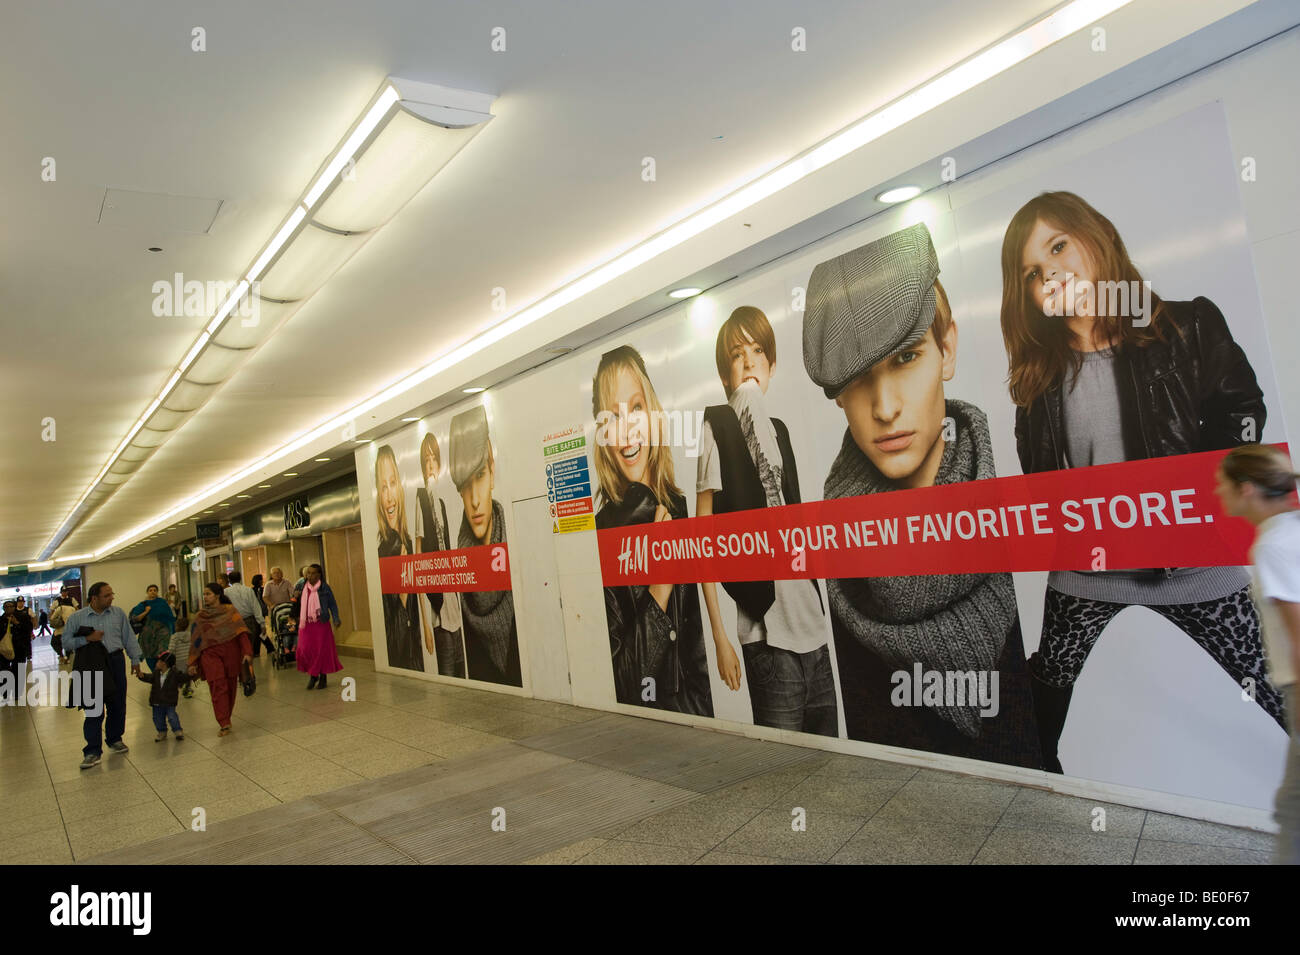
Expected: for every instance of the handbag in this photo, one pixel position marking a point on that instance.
(7, 646)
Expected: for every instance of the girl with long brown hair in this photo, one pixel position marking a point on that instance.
(1103, 370)
(656, 634)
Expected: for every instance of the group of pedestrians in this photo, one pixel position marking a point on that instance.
(216, 644)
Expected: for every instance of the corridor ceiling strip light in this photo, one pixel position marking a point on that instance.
(457, 111)
(353, 143)
(276, 245)
(983, 66)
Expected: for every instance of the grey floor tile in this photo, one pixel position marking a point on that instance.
(566, 855)
(718, 857)
(692, 825)
(966, 804)
(1046, 847)
(638, 853)
(1155, 852)
(771, 833)
(847, 794)
(902, 841)
(838, 764)
(1166, 828)
(1036, 809)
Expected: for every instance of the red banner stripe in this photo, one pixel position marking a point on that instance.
(1160, 512)
(465, 570)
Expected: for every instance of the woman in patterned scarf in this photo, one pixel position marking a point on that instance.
(220, 650)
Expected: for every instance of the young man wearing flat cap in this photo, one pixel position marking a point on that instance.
(879, 339)
(488, 618)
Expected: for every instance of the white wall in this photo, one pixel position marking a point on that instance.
(128, 577)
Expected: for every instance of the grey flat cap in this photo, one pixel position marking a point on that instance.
(867, 304)
(470, 448)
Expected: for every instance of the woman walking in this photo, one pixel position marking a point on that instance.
(1099, 379)
(313, 609)
(220, 651)
(1257, 483)
(157, 623)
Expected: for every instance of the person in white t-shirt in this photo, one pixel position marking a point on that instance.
(1258, 483)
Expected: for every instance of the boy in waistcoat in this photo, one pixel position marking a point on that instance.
(746, 462)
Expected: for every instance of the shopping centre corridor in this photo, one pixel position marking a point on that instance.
(422, 772)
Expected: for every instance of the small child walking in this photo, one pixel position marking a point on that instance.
(180, 648)
(165, 683)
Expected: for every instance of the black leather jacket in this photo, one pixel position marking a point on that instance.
(1195, 391)
(644, 641)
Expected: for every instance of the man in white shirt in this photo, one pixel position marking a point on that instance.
(246, 603)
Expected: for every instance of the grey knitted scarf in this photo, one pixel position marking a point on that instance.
(947, 622)
(489, 615)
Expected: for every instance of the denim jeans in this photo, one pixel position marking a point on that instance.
(165, 715)
(1287, 803)
(792, 691)
(114, 709)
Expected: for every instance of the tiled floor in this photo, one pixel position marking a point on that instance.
(414, 772)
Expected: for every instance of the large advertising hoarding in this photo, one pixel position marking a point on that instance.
(944, 481)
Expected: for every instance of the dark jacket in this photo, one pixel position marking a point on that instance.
(329, 608)
(20, 630)
(430, 539)
(644, 641)
(90, 658)
(165, 688)
(1195, 391)
(401, 617)
(742, 490)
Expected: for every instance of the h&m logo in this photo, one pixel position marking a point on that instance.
(633, 555)
(408, 575)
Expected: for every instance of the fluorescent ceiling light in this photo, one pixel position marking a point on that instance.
(367, 125)
(290, 474)
(899, 194)
(473, 390)
(277, 243)
(684, 292)
(229, 306)
(970, 73)
(409, 419)
(197, 347)
(409, 132)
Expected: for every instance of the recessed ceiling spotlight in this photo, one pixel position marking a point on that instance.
(207, 512)
(263, 485)
(223, 505)
(559, 350)
(290, 474)
(685, 292)
(243, 495)
(154, 248)
(473, 390)
(899, 194)
(322, 459)
(411, 419)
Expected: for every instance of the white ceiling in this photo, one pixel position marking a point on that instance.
(550, 188)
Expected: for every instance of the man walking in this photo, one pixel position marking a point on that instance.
(246, 603)
(100, 622)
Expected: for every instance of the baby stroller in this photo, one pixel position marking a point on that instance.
(286, 636)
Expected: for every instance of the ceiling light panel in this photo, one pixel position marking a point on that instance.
(308, 263)
(404, 156)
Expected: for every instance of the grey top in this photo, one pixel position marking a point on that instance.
(1093, 436)
(1092, 413)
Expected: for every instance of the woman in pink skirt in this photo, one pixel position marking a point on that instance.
(313, 608)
